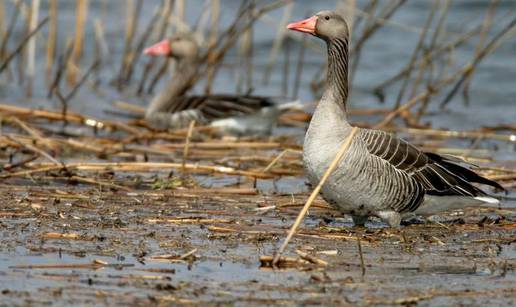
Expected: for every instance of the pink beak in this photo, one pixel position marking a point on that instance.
(305, 26)
(161, 48)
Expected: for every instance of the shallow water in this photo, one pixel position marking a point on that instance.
(438, 263)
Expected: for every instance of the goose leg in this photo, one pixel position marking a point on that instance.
(359, 220)
(392, 218)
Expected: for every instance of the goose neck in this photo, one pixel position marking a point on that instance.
(337, 75)
(180, 83)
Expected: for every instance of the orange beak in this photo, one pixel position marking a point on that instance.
(305, 26)
(161, 48)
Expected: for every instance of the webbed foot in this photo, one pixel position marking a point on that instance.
(359, 220)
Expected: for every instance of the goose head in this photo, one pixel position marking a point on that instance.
(180, 46)
(327, 25)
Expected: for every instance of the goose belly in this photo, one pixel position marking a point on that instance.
(259, 123)
(359, 185)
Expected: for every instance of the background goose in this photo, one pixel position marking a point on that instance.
(171, 108)
(380, 175)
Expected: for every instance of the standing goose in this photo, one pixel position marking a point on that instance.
(238, 114)
(380, 175)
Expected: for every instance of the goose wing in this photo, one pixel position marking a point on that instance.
(438, 175)
(213, 107)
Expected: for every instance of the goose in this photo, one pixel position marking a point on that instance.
(236, 114)
(380, 175)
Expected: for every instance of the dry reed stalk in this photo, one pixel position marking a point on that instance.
(459, 74)
(7, 34)
(129, 107)
(100, 38)
(191, 220)
(415, 53)
(278, 42)
(486, 26)
(247, 41)
(20, 163)
(286, 68)
(429, 57)
(22, 44)
(166, 13)
(2, 25)
(94, 182)
(187, 145)
(62, 65)
(361, 255)
(72, 117)
(83, 79)
(37, 151)
(460, 134)
(404, 108)
(299, 68)
(373, 25)
(174, 257)
(215, 16)
(135, 167)
(56, 235)
(439, 32)
(347, 8)
(95, 264)
(180, 14)
(310, 258)
(233, 32)
(226, 145)
(31, 46)
(343, 149)
(427, 63)
(37, 135)
(283, 262)
(490, 47)
(137, 52)
(52, 39)
(278, 157)
(80, 21)
(133, 11)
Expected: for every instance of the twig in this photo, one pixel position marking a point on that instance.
(52, 38)
(361, 254)
(187, 145)
(310, 258)
(80, 20)
(273, 162)
(343, 149)
(31, 46)
(22, 44)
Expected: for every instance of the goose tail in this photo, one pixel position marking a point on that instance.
(435, 204)
(295, 105)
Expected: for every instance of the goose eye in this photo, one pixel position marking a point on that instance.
(327, 17)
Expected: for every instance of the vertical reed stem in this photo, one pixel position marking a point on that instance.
(180, 14)
(52, 39)
(2, 25)
(31, 46)
(343, 149)
(187, 146)
(80, 20)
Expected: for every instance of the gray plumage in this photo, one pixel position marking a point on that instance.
(380, 174)
(238, 114)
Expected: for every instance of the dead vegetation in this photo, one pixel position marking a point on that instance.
(136, 208)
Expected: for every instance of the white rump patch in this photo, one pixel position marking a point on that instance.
(433, 204)
(489, 200)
